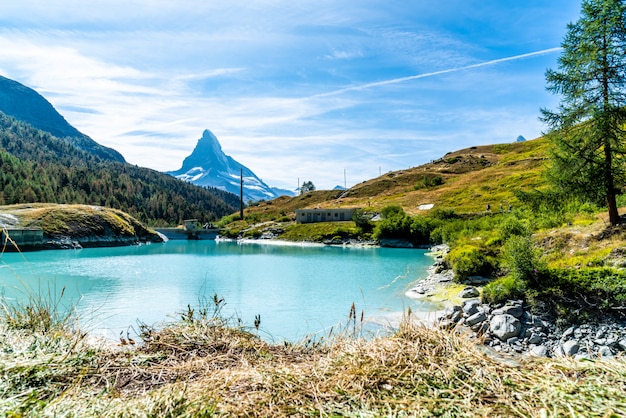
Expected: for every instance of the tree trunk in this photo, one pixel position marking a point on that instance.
(609, 184)
(611, 202)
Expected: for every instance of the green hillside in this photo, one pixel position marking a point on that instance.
(464, 181)
(26, 105)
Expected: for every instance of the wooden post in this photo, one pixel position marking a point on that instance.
(241, 197)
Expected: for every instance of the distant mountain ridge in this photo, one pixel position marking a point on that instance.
(26, 105)
(209, 166)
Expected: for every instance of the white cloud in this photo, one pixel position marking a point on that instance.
(291, 89)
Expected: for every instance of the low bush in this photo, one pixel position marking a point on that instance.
(470, 260)
(428, 181)
(523, 259)
(443, 214)
(362, 221)
(398, 225)
(320, 231)
(228, 220)
(602, 289)
(503, 289)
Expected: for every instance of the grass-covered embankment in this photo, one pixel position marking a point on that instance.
(206, 366)
(78, 225)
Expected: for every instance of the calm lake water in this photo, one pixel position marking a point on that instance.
(297, 290)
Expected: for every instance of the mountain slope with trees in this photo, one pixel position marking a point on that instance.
(38, 167)
(25, 104)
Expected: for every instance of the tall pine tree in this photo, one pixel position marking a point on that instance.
(588, 156)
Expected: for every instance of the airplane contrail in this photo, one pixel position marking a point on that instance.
(434, 73)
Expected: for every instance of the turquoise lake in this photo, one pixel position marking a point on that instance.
(296, 290)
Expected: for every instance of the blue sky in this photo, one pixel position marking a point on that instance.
(303, 89)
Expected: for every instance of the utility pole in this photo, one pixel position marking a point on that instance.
(241, 197)
(345, 184)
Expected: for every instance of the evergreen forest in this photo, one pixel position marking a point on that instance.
(38, 167)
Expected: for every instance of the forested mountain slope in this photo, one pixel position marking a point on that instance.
(38, 167)
(26, 105)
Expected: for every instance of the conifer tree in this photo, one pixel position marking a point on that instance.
(589, 140)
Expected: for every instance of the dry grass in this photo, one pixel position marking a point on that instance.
(465, 173)
(201, 367)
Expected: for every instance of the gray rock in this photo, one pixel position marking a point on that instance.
(558, 351)
(476, 318)
(539, 351)
(605, 351)
(570, 347)
(621, 344)
(505, 326)
(568, 333)
(451, 310)
(481, 328)
(470, 307)
(513, 310)
(535, 338)
(456, 317)
(477, 280)
(513, 341)
(469, 292)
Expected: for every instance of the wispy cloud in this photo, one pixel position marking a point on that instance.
(382, 83)
(287, 86)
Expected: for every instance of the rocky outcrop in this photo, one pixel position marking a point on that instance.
(512, 328)
(62, 242)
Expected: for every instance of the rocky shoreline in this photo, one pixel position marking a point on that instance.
(511, 328)
(61, 242)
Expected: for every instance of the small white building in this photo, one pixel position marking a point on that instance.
(305, 216)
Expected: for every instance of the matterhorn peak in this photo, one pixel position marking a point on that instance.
(209, 140)
(208, 166)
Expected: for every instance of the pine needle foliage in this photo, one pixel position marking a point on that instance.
(589, 152)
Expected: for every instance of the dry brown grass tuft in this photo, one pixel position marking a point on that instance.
(203, 368)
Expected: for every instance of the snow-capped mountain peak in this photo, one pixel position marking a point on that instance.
(209, 166)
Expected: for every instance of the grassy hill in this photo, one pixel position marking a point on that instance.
(465, 181)
(460, 185)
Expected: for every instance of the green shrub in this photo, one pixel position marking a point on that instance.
(253, 233)
(503, 289)
(252, 218)
(362, 221)
(443, 214)
(391, 210)
(512, 226)
(398, 225)
(428, 181)
(523, 259)
(574, 295)
(227, 220)
(469, 260)
(421, 227)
